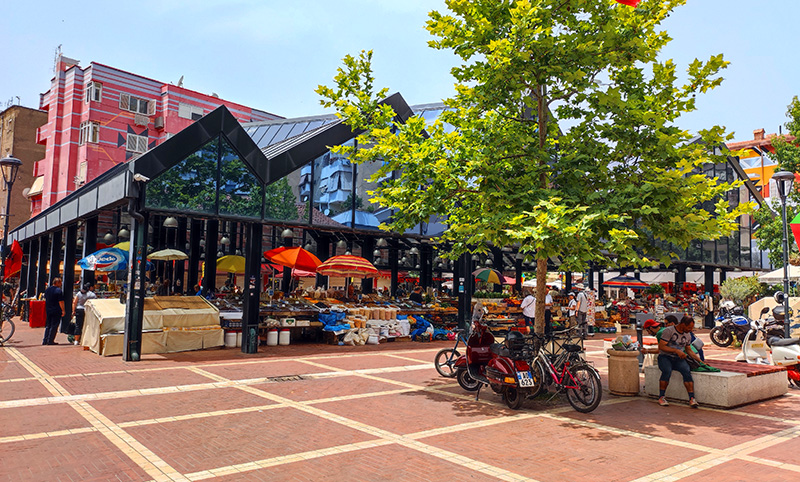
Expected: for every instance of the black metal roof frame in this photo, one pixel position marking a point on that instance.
(114, 187)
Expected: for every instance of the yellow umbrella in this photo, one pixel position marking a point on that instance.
(231, 264)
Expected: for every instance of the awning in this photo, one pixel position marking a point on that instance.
(37, 187)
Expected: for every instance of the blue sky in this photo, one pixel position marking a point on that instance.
(272, 54)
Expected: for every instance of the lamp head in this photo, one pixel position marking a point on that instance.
(10, 167)
(784, 180)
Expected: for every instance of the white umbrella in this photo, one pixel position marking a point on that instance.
(168, 255)
(777, 275)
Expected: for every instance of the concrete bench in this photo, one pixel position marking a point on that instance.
(735, 385)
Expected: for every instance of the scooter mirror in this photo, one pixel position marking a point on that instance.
(779, 297)
(764, 310)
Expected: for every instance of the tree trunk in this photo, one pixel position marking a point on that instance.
(541, 262)
(541, 293)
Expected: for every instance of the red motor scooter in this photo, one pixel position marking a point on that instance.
(510, 373)
(504, 367)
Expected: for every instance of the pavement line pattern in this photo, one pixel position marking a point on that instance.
(148, 461)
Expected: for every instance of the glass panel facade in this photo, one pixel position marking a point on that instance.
(333, 188)
(281, 199)
(190, 185)
(240, 192)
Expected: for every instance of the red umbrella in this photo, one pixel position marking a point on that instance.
(293, 258)
(348, 266)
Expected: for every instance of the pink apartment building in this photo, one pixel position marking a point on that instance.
(99, 116)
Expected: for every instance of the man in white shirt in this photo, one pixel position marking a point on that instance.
(528, 306)
(580, 313)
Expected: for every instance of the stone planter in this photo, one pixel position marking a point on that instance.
(623, 373)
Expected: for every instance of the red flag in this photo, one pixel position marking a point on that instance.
(630, 3)
(13, 260)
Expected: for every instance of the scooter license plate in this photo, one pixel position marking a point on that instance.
(525, 379)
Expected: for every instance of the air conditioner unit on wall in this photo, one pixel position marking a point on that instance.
(140, 120)
(159, 122)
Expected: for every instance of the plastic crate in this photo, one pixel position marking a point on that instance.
(231, 324)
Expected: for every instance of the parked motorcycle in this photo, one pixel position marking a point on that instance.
(733, 323)
(471, 367)
(776, 350)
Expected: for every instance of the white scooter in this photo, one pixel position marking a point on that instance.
(774, 351)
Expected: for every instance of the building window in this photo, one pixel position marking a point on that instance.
(136, 143)
(90, 132)
(94, 92)
(136, 104)
(186, 111)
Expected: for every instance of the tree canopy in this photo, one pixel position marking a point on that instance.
(565, 140)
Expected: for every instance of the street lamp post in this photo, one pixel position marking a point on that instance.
(10, 167)
(784, 180)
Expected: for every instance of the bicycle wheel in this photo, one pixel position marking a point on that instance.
(587, 396)
(6, 331)
(445, 362)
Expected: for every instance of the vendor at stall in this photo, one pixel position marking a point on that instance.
(416, 295)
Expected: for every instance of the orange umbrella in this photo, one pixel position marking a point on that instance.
(348, 266)
(293, 258)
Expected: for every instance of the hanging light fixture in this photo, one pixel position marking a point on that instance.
(109, 237)
(309, 247)
(238, 252)
(287, 233)
(188, 246)
(220, 254)
(488, 262)
(341, 244)
(414, 251)
(79, 242)
(404, 260)
(519, 256)
(124, 233)
(225, 241)
(440, 265)
(202, 242)
(170, 222)
(475, 257)
(376, 253)
(381, 243)
(348, 253)
(149, 229)
(417, 267)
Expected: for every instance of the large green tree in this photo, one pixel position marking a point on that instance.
(770, 225)
(615, 182)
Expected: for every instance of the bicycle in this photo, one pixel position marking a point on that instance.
(6, 325)
(570, 373)
(445, 360)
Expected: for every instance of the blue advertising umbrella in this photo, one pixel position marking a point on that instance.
(106, 259)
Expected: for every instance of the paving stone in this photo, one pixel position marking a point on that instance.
(741, 471)
(264, 369)
(39, 418)
(133, 380)
(23, 390)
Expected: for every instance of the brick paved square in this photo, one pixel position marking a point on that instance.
(427, 356)
(23, 390)
(39, 418)
(86, 456)
(202, 444)
(424, 378)
(132, 380)
(784, 407)
(786, 452)
(679, 422)
(551, 450)
(741, 471)
(11, 370)
(274, 368)
(326, 387)
(379, 464)
(365, 361)
(174, 404)
(415, 411)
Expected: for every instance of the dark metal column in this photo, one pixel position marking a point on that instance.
(195, 235)
(69, 275)
(252, 288)
(23, 274)
(134, 308)
(600, 293)
(89, 247)
(393, 267)
(568, 280)
(498, 263)
(680, 278)
(722, 276)
(518, 275)
(210, 273)
(55, 256)
(462, 288)
(367, 248)
(425, 272)
(323, 253)
(180, 266)
(286, 282)
(591, 280)
(41, 272)
(709, 280)
(33, 255)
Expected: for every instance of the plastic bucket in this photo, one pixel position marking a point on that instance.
(272, 337)
(238, 338)
(283, 337)
(230, 339)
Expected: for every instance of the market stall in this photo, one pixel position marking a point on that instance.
(171, 324)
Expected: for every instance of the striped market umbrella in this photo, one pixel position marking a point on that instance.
(489, 275)
(348, 266)
(297, 258)
(625, 282)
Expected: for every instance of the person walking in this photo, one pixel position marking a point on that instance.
(528, 306)
(54, 308)
(572, 310)
(580, 313)
(79, 308)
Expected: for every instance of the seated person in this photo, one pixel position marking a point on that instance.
(674, 347)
